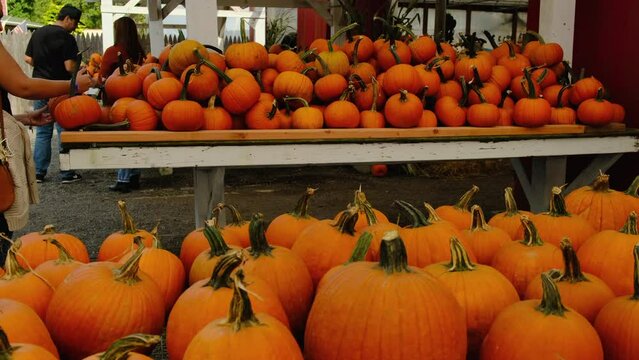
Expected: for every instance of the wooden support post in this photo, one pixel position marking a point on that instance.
(547, 171)
(513, 30)
(424, 19)
(601, 163)
(106, 8)
(440, 20)
(156, 26)
(469, 13)
(208, 191)
(201, 21)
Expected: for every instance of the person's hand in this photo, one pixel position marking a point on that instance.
(37, 118)
(84, 81)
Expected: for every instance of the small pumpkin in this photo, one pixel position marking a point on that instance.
(403, 110)
(484, 240)
(531, 111)
(20, 351)
(247, 55)
(263, 115)
(141, 116)
(450, 110)
(23, 325)
(56, 270)
(123, 83)
(483, 114)
(183, 54)
(514, 62)
(284, 229)
(76, 110)
(459, 214)
(509, 220)
(596, 112)
(372, 118)
(216, 117)
(35, 249)
(561, 114)
(336, 60)
(119, 243)
(206, 261)
(293, 84)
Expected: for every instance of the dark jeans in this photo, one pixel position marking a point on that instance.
(4, 244)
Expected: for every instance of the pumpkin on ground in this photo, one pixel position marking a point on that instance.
(56, 270)
(22, 325)
(541, 329)
(583, 292)
(490, 292)
(36, 249)
(509, 220)
(459, 213)
(284, 228)
(374, 311)
(21, 351)
(203, 265)
(119, 243)
(123, 349)
(484, 240)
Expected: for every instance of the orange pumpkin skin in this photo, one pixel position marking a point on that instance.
(459, 213)
(532, 112)
(500, 76)
(583, 292)
(449, 112)
(355, 291)
(124, 348)
(249, 56)
(288, 60)
(77, 111)
(364, 98)
(290, 83)
(182, 54)
(240, 95)
(483, 115)
(195, 242)
(203, 83)
(142, 116)
(492, 292)
(23, 325)
(341, 114)
(505, 117)
(386, 59)
(428, 119)
(55, 271)
(263, 115)
(596, 112)
(608, 255)
(489, 91)
(307, 118)
(509, 220)
(484, 240)
(28, 352)
(285, 272)
(403, 110)
(422, 49)
(208, 300)
(118, 109)
(284, 229)
(82, 325)
(551, 92)
(584, 89)
(618, 113)
(464, 68)
(365, 49)
(540, 336)
(618, 322)
(429, 80)
(152, 78)
(120, 242)
(330, 87)
(36, 250)
(604, 208)
(548, 54)
(401, 77)
(521, 261)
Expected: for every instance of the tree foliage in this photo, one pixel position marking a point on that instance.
(46, 11)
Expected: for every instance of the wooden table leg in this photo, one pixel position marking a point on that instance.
(208, 191)
(547, 171)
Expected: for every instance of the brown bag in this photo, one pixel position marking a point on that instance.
(7, 187)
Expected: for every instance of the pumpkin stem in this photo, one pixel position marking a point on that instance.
(363, 205)
(237, 219)
(221, 275)
(345, 224)
(551, 299)
(307, 53)
(535, 35)
(491, 39)
(121, 64)
(557, 203)
(339, 33)
(354, 78)
(459, 259)
(245, 38)
(531, 236)
(478, 219)
(435, 62)
(241, 313)
(418, 218)
(403, 95)
(301, 209)
(476, 79)
(216, 241)
(48, 230)
(128, 272)
(530, 88)
(464, 201)
(127, 220)
(601, 183)
(440, 72)
(211, 103)
(12, 267)
(560, 103)
(392, 253)
(630, 227)
(356, 50)
(120, 349)
(63, 254)
(482, 98)
(600, 95)
(5, 346)
(464, 86)
(393, 49)
(375, 86)
(287, 99)
(214, 48)
(271, 114)
(361, 248)
(308, 69)
(432, 214)
(572, 267)
(187, 79)
(227, 79)
(633, 189)
(259, 244)
(635, 253)
(325, 69)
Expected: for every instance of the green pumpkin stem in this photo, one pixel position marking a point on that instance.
(557, 203)
(633, 189)
(309, 68)
(491, 39)
(339, 33)
(478, 219)
(464, 99)
(127, 220)
(325, 69)
(560, 103)
(477, 80)
(464, 201)
(600, 95)
(459, 259)
(432, 214)
(572, 267)
(5, 346)
(511, 204)
(271, 114)
(440, 72)
(418, 218)
(345, 224)
(63, 254)
(530, 88)
(12, 267)
(288, 99)
(436, 62)
(214, 238)
(393, 49)
(217, 70)
(551, 299)
(128, 272)
(301, 209)
(120, 349)
(121, 63)
(307, 53)
(630, 227)
(531, 236)
(259, 244)
(236, 217)
(157, 72)
(392, 253)
(241, 313)
(375, 86)
(362, 203)
(481, 96)
(356, 50)
(243, 36)
(635, 254)
(185, 87)
(221, 275)
(361, 248)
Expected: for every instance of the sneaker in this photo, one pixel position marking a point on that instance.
(39, 178)
(120, 187)
(71, 178)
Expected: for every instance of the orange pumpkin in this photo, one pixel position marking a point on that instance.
(341, 114)
(584, 89)
(521, 261)
(372, 118)
(509, 220)
(484, 240)
(403, 110)
(216, 117)
(360, 48)
(76, 110)
(544, 329)
(459, 213)
(163, 91)
(336, 60)
(561, 114)
(547, 54)
(290, 83)
(367, 214)
(583, 292)
(206, 261)
(596, 112)
(124, 348)
(401, 77)
(240, 92)
(513, 62)
(119, 243)
(22, 324)
(118, 109)
(389, 289)
(129, 302)
(20, 351)
(247, 55)
(289, 60)
(392, 53)
(35, 249)
(56, 270)
(182, 114)
(531, 111)
(263, 115)
(500, 76)
(122, 83)
(183, 54)
(141, 116)
(490, 91)
(483, 114)
(203, 83)
(284, 229)
(492, 292)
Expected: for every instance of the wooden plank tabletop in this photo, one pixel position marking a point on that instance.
(387, 134)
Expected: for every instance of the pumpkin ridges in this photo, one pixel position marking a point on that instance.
(23, 325)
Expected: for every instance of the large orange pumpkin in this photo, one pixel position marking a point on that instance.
(583, 292)
(284, 229)
(123, 83)
(128, 301)
(119, 243)
(56, 270)
(375, 310)
(21, 351)
(544, 329)
(403, 110)
(484, 240)
(35, 249)
(247, 55)
(491, 291)
(459, 213)
(22, 325)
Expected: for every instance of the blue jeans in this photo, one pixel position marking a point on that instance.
(124, 175)
(42, 147)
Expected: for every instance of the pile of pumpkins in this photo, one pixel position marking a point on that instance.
(447, 284)
(404, 83)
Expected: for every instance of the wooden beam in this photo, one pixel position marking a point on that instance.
(513, 30)
(170, 6)
(322, 8)
(156, 26)
(469, 13)
(424, 19)
(440, 20)
(201, 21)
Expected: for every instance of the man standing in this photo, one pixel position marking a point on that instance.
(52, 51)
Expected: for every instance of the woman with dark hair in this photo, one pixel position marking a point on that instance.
(127, 42)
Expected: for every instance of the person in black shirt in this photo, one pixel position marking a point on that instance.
(52, 51)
